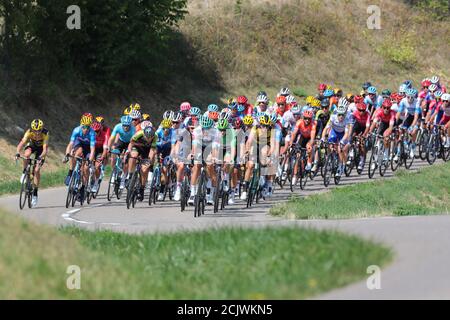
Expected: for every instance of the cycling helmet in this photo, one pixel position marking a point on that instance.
(125, 120)
(284, 92)
(86, 120)
(261, 93)
(96, 126)
(242, 100)
(408, 83)
(273, 118)
(37, 125)
(309, 99)
(402, 89)
(135, 114)
(213, 107)
(213, 115)
(177, 117)
(426, 83)
(358, 99)
(296, 110)
(136, 106)
(248, 120)
(262, 98)
(372, 90)
(128, 110)
(343, 102)
(341, 109)
(315, 103)
(290, 98)
(100, 119)
(322, 86)
(149, 132)
(386, 93)
(145, 124)
(222, 124)
(185, 106)
(328, 93)
(237, 123)
(350, 97)
(387, 103)
(265, 120)
(166, 123)
(281, 99)
(361, 106)
(224, 115)
(438, 94)
(167, 114)
(240, 107)
(432, 87)
(307, 114)
(338, 91)
(195, 111)
(445, 97)
(411, 92)
(434, 79)
(366, 85)
(206, 122)
(145, 116)
(325, 103)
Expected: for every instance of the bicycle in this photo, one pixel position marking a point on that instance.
(436, 147)
(376, 158)
(331, 166)
(26, 188)
(200, 198)
(185, 186)
(171, 181)
(302, 174)
(155, 185)
(75, 183)
(116, 177)
(134, 185)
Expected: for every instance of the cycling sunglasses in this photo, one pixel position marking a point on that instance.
(85, 127)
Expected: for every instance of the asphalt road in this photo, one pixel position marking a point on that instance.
(421, 243)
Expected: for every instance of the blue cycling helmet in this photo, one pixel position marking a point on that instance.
(411, 92)
(213, 107)
(126, 120)
(273, 117)
(296, 110)
(195, 111)
(366, 85)
(438, 94)
(206, 122)
(232, 105)
(259, 114)
(372, 90)
(328, 93)
(240, 108)
(408, 83)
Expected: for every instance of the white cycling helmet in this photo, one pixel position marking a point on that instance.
(284, 92)
(168, 114)
(341, 109)
(434, 79)
(402, 88)
(262, 98)
(445, 97)
(145, 124)
(290, 98)
(343, 102)
(135, 114)
(433, 88)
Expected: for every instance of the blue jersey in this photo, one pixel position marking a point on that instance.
(163, 140)
(85, 139)
(124, 136)
(377, 103)
(410, 108)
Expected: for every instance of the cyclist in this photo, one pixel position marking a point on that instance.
(143, 145)
(136, 119)
(384, 120)
(435, 80)
(243, 101)
(445, 120)
(165, 140)
(205, 141)
(82, 144)
(321, 89)
(262, 104)
(361, 128)
(101, 151)
(34, 141)
(371, 100)
(411, 107)
(119, 140)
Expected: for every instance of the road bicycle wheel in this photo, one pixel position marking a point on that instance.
(337, 178)
(184, 193)
(111, 185)
(431, 154)
(422, 143)
(218, 191)
(254, 182)
(373, 162)
(23, 192)
(407, 157)
(395, 156)
(350, 160)
(303, 174)
(130, 190)
(327, 170)
(137, 190)
(88, 190)
(199, 196)
(75, 187)
(445, 150)
(382, 163)
(292, 162)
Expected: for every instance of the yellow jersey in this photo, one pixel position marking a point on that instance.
(36, 138)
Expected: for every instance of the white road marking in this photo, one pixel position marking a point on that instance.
(68, 216)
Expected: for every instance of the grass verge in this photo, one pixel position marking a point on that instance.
(216, 264)
(424, 191)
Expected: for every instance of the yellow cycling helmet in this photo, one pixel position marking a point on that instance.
(100, 120)
(37, 125)
(309, 99)
(136, 106)
(248, 120)
(86, 120)
(329, 87)
(145, 116)
(315, 103)
(265, 120)
(128, 110)
(166, 123)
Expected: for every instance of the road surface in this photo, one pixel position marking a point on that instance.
(421, 243)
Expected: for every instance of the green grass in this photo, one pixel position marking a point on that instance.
(228, 263)
(425, 191)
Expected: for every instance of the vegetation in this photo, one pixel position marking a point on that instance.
(216, 264)
(426, 191)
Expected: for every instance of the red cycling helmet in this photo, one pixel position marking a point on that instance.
(185, 106)
(426, 83)
(322, 86)
(358, 99)
(307, 114)
(281, 99)
(237, 123)
(361, 106)
(213, 115)
(387, 103)
(96, 126)
(242, 100)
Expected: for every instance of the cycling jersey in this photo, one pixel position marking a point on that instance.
(85, 139)
(362, 118)
(339, 125)
(305, 130)
(205, 137)
(386, 118)
(409, 108)
(124, 136)
(289, 119)
(143, 141)
(36, 138)
(102, 137)
(165, 140)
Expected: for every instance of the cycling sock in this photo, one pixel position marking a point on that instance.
(35, 192)
(70, 173)
(163, 187)
(193, 190)
(246, 186)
